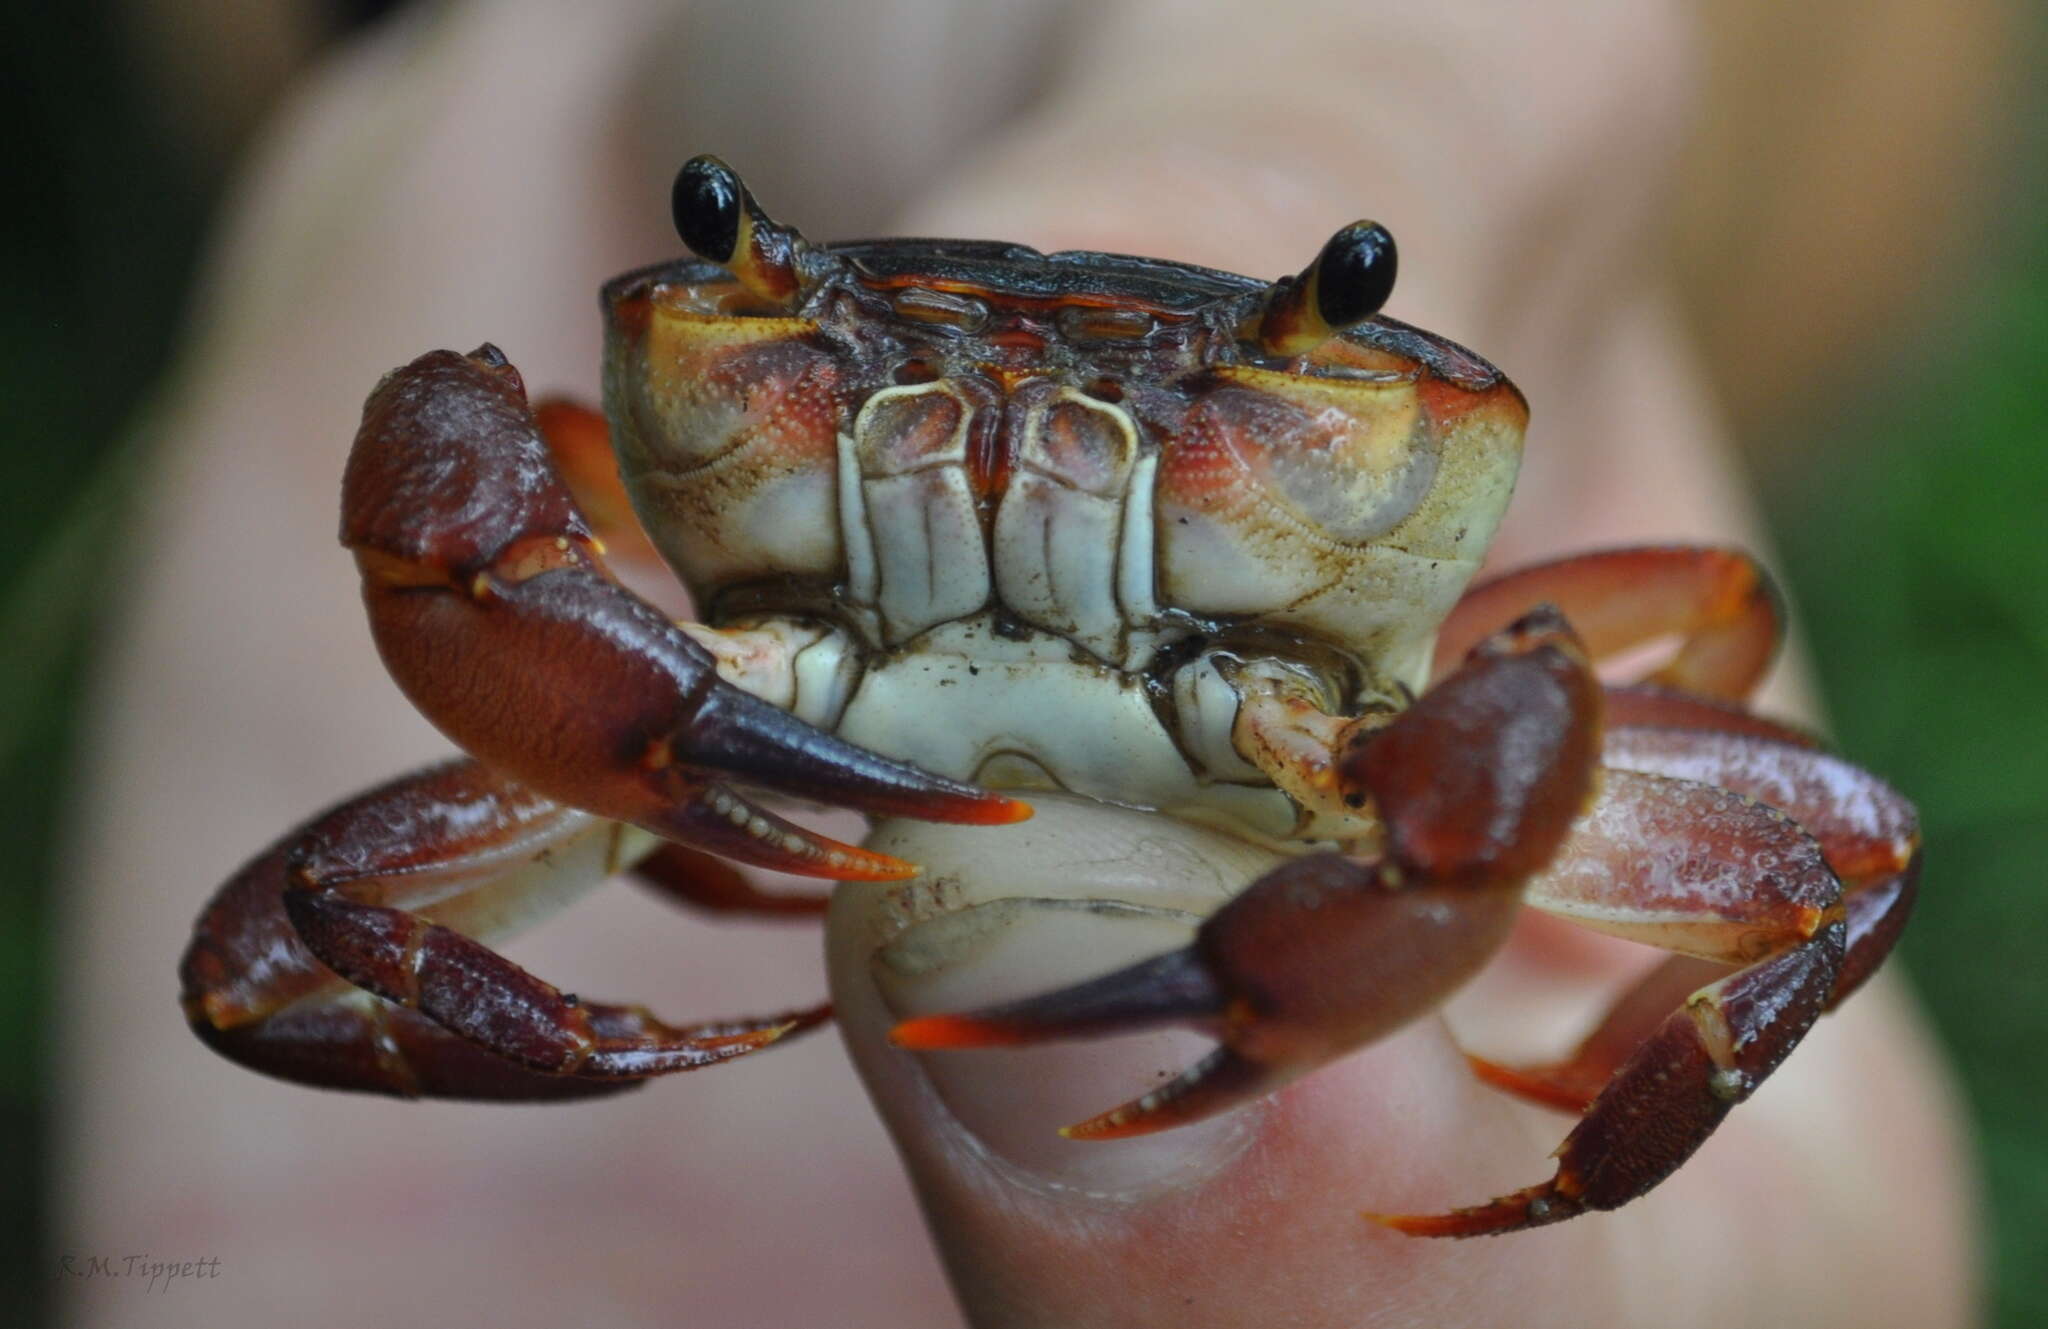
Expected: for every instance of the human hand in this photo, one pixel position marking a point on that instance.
(1517, 157)
(1533, 236)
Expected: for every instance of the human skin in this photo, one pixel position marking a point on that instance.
(475, 175)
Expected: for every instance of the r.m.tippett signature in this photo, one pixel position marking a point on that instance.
(157, 1275)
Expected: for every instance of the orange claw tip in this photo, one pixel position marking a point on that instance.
(931, 1033)
(961, 805)
(996, 810)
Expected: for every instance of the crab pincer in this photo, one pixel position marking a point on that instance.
(1476, 786)
(1498, 788)
(352, 957)
(490, 602)
(590, 714)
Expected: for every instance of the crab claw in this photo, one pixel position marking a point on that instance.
(1476, 786)
(494, 611)
(399, 892)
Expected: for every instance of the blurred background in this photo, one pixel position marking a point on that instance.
(1894, 224)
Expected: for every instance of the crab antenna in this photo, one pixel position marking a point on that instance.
(1346, 285)
(719, 220)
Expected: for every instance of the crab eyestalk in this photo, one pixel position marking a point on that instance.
(717, 217)
(1347, 284)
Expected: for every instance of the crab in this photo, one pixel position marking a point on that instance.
(1182, 557)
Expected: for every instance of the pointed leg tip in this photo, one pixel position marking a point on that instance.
(1403, 1223)
(751, 1041)
(1533, 1084)
(796, 1023)
(1534, 1207)
(1424, 1225)
(712, 1048)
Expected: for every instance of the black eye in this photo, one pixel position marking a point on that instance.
(706, 203)
(1355, 274)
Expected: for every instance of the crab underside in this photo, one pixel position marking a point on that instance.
(964, 520)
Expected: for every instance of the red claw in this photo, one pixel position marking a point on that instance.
(495, 613)
(1712, 833)
(1477, 784)
(372, 893)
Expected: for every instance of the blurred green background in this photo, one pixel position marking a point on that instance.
(1911, 514)
(106, 216)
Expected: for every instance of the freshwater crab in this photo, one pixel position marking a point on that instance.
(1148, 541)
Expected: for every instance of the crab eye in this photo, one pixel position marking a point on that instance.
(706, 204)
(1354, 274)
(1345, 286)
(720, 220)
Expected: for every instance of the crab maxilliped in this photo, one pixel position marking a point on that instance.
(1151, 542)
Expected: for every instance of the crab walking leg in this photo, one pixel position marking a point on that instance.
(1698, 869)
(495, 614)
(1647, 704)
(1286, 730)
(258, 997)
(1719, 602)
(1868, 833)
(1875, 915)
(1668, 1097)
(1867, 829)
(1476, 786)
(391, 889)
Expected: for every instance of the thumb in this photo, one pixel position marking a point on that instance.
(1254, 1218)
(1248, 1218)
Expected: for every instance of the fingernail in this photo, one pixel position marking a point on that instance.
(1077, 892)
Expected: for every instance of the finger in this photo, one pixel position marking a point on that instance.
(1257, 1215)
(1251, 1217)
(1037, 1229)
